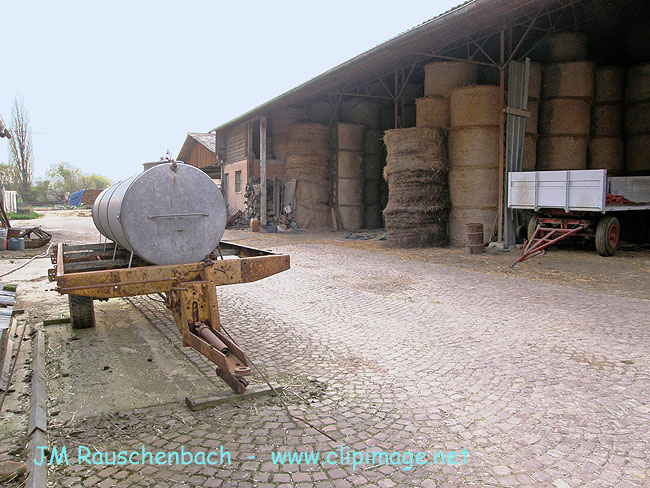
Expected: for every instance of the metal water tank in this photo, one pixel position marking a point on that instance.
(172, 213)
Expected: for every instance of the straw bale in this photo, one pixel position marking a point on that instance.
(532, 123)
(309, 192)
(351, 216)
(607, 119)
(562, 152)
(472, 146)
(474, 186)
(350, 164)
(443, 76)
(360, 111)
(459, 217)
(609, 84)
(308, 153)
(281, 122)
(350, 191)
(313, 216)
(529, 159)
(607, 153)
(637, 154)
(474, 105)
(565, 46)
(432, 112)
(637, 83)
(351, 137)
(572, 79)
(563, 116)
(415, 227)
(637, 118)
(535, 80)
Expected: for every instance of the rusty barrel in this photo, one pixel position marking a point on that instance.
(474, 238)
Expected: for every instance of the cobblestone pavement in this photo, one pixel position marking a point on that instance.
(543, 385)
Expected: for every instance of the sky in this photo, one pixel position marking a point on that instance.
(111, 85)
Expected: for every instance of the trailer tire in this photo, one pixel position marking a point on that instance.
(82, 312)
(608, 233)
(532, 226)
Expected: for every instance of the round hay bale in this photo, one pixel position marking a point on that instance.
(529, 159)
(607, 119)
(637, 83)
(474, 105)
(351, 137)
(474, 186)
(415, 148)
(535, 80)
(609, 84)
(459, 217)
(371, 192)
(313, 216)
(573, 79)
(308, 153)
(360, 111)
(372, 216)
(321, 112)
(351, 216)
(562, 152)
(532, 123)
(565, 46)
(372, 167)
(637, 154)
(350, 191)
(638, 47)
(563, 116)
(350, 164)
(432, 112)
(309, 192)
(415, 227)
(374, 142)
(606, 153)
(474, 146)
(281, 122)
(637, 118)
(443, 76)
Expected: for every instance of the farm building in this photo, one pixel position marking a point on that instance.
(419, 133)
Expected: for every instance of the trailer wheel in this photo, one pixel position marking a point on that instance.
(82, 311)
(608, 233)
(532, 226)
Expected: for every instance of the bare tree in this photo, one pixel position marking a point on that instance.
(20, 145)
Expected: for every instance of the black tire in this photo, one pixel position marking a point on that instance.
(82, 312)
(532, 226)
(608, 235)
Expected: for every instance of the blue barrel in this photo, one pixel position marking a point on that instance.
(16, 244)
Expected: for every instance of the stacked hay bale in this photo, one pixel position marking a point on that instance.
(474, 159)
(281, 122)
(308, 163)
(637, 119)
(530, 139)
(565, 46)
(606, 146)
(418, 199)
(372, 166)
(350, 174)
(360, 111)
(565, 111)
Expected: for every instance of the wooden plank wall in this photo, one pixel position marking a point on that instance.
(200, 156)
(236, 144)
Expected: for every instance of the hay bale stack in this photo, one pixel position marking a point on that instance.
(360, 111)
(565, 46)
(529, 161)
(372, 167)
(281, 122)
(418, 198)
(432, 112)
(606, 146)
(351, 139)
(637, 119)
(442, 77)
(535, 81)
(308, 162)
(474, 159)
(565, 115)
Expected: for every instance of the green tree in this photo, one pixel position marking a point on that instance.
(66, 179)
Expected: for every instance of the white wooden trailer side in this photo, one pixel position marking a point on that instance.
(576, 190)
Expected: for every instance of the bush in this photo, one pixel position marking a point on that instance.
(24, 216)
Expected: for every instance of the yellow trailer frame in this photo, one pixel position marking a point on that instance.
(103, 271)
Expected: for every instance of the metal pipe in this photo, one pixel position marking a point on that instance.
(205, 332)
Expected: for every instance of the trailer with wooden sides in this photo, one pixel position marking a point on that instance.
(586, 203)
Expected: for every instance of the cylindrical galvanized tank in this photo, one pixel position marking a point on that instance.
(170, 214)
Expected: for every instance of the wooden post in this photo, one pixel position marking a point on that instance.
(263, 172)
(502, 94)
